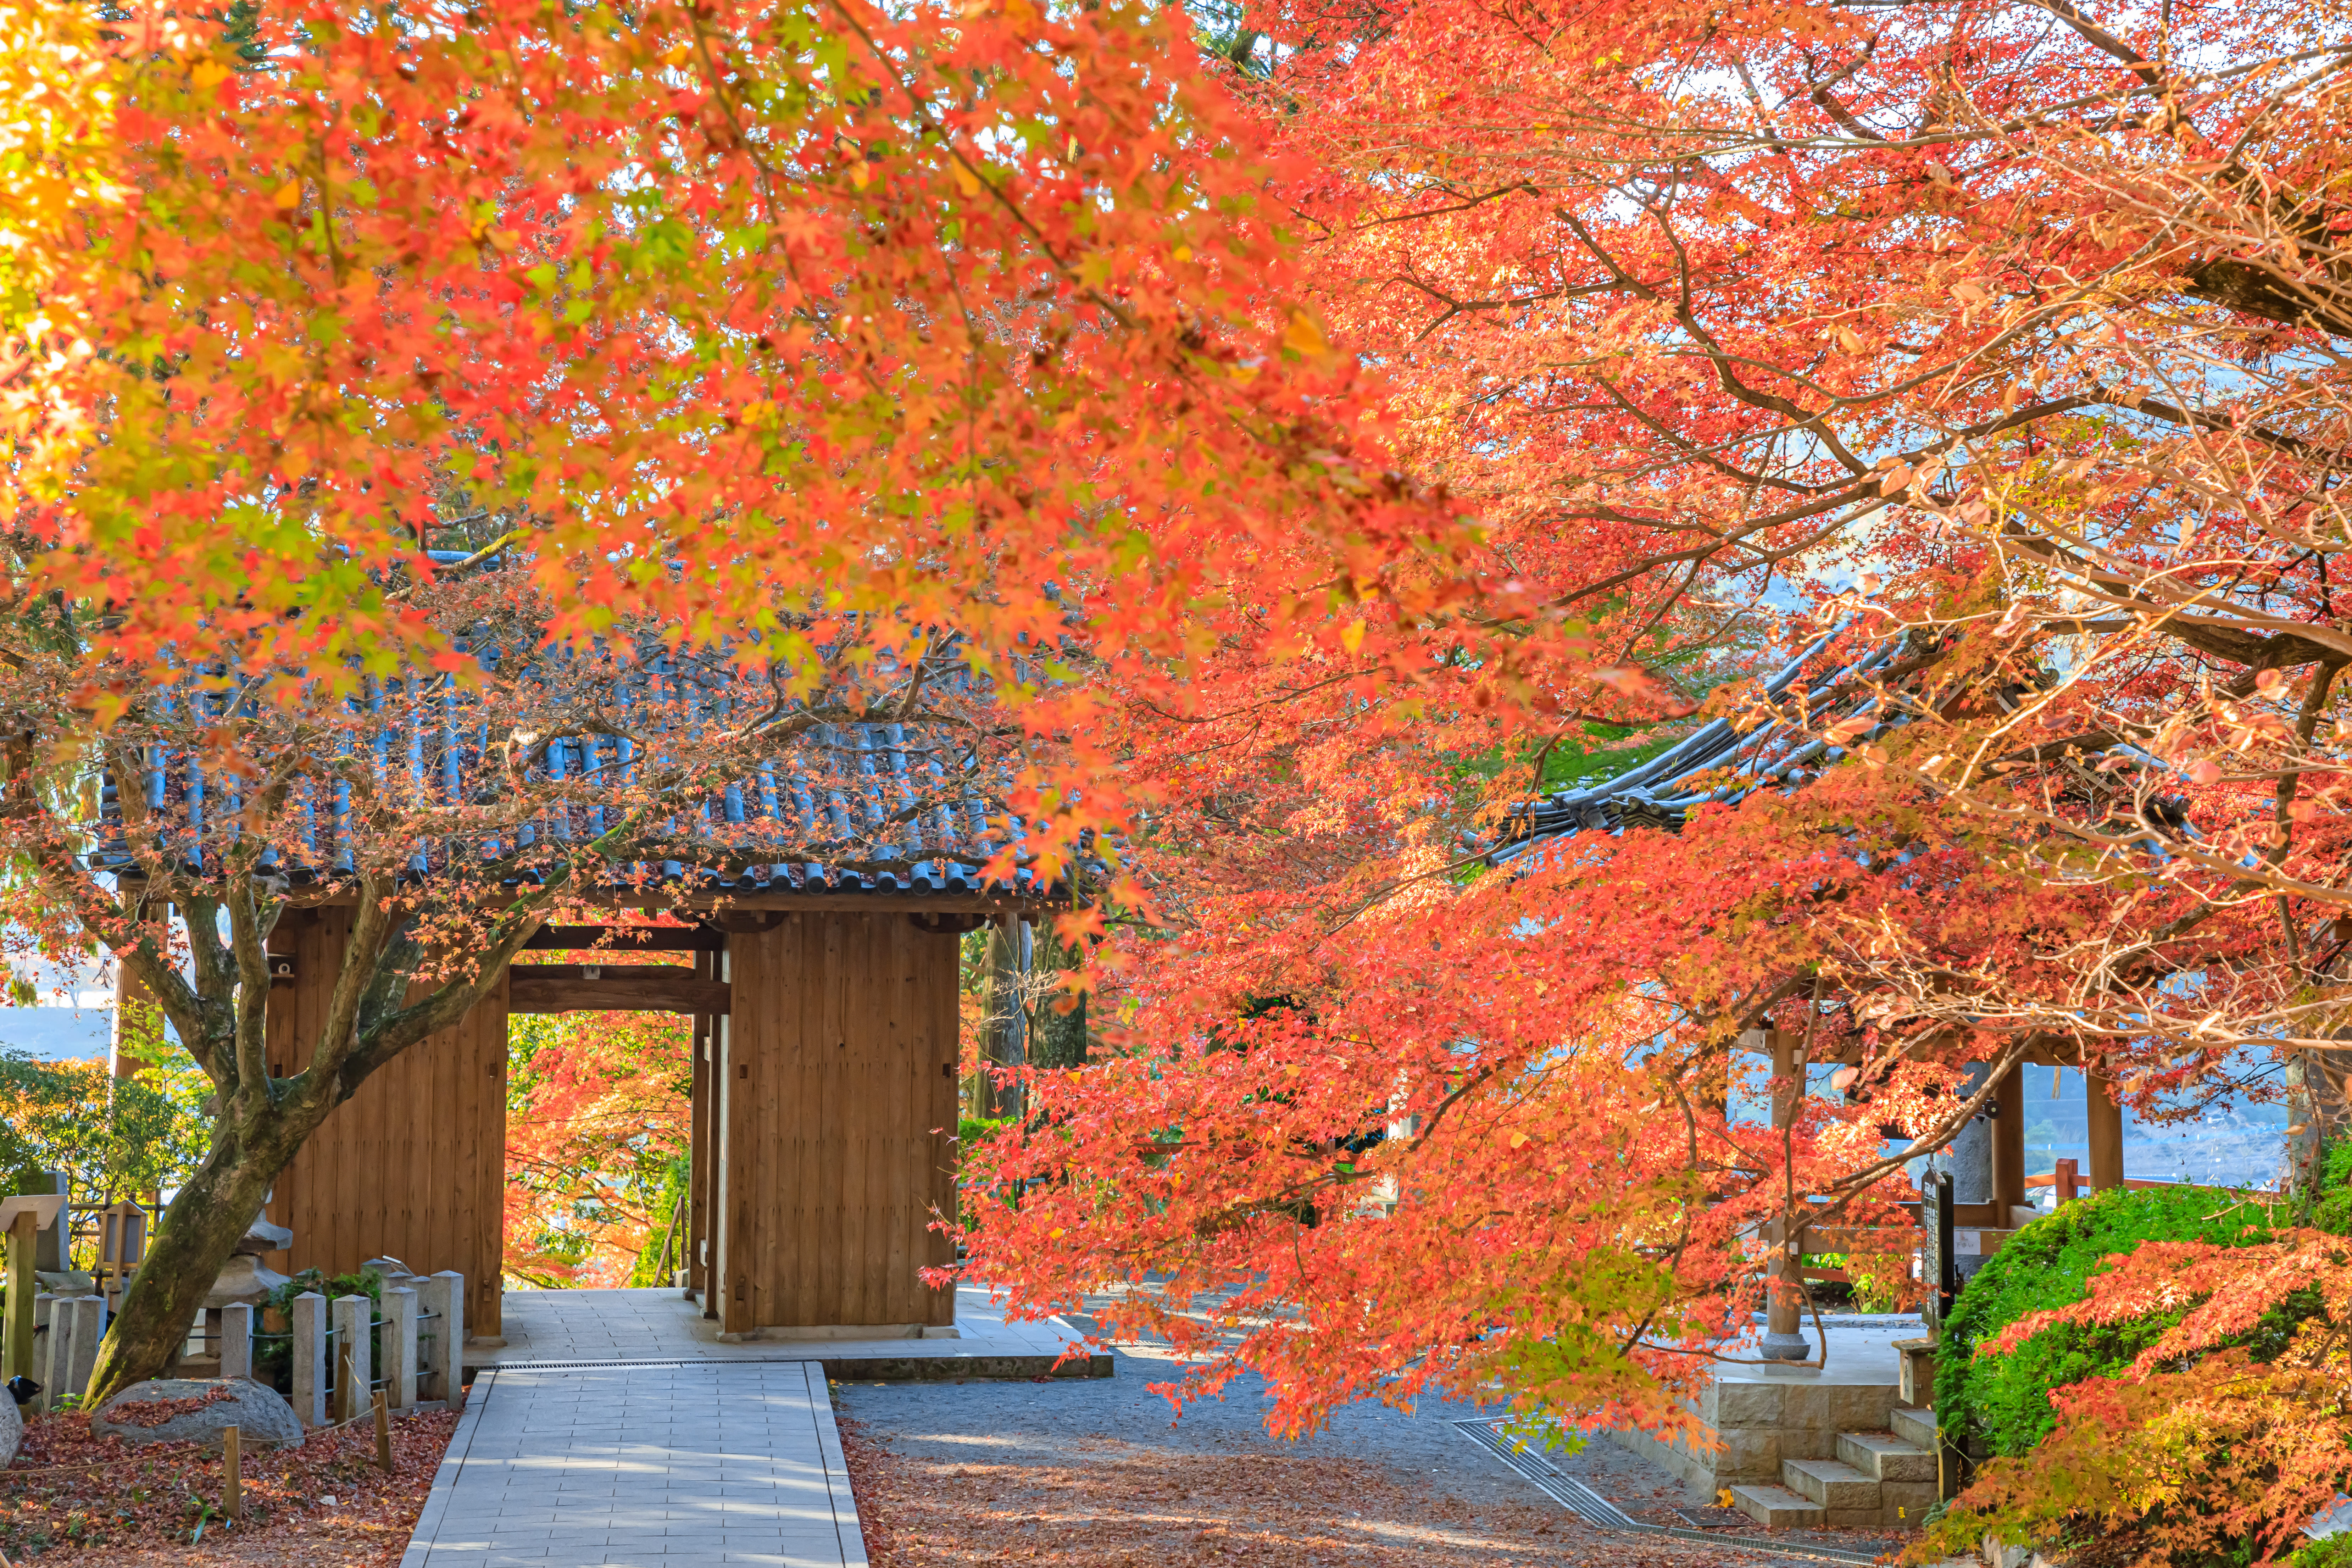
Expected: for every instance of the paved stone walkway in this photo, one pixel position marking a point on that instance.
(661, 1324)
(658, 1466)
(613, 1427)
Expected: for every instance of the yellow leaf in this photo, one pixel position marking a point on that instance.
(1351, 635)
(288, 195)
(209, 73)
(1183, 253)
(1055, 1234)
(677, 55)
(1518, 1138)
(966, 181)
(1304, 336)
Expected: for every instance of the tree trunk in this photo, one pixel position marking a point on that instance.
(1007, 1008)
(1059, 1038)
(2316, 1108)
(198, 1233)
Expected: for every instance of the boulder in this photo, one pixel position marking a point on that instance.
(189, 1409)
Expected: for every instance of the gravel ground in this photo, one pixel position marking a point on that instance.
(1060, 1421)
(1095, 1474)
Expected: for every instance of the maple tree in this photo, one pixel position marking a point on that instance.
(938, 313)
(598, 1117)
(2001, 340)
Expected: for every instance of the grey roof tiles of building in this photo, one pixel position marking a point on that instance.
(891, 810)
(1662, 791)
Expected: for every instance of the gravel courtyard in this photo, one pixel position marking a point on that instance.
(1093, 1474)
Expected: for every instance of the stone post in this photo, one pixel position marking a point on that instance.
(46, 1324)
(1783, 1278)
(445, 1294)
(237, 1340)
(88, 1316)
(352, 1372)
(400, 1345)
(307, 1320)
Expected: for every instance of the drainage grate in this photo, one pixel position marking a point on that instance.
(1566, 1490)
(714, 1361)
(1595, 1510)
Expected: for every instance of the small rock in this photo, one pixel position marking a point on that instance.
(262, 1418)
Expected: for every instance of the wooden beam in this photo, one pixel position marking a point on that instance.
(2009, 1142)
(628, 939)
(618, 988)
(2107, 1128)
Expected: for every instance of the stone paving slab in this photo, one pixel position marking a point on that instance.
(544, 1327)
(654, 1466)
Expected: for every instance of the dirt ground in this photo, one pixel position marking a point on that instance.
(102, 1503)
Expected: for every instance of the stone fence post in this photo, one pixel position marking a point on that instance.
(85, 1317)
(443, 1297)
(354, 1372)
(237, 1340)
(307, 1321)
(45, 1345)
(400, 1346)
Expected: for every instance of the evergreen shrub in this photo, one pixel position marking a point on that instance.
(2003, 1401)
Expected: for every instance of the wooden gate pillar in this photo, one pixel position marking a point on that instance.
(699, 1152)
(836, 1139)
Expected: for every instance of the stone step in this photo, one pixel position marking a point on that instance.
(1776, 1508)
(1886, 1459)
(1916, 1428)
(1835, 1486)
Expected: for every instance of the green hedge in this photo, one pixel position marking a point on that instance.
(2003, 1401)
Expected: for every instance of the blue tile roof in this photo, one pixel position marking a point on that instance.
(892, 808)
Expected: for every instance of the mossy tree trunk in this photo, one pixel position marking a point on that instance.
(261, 1121)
